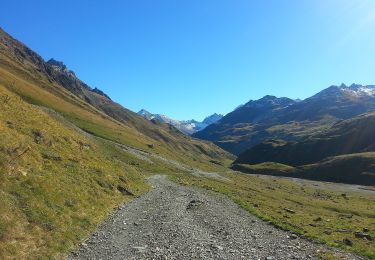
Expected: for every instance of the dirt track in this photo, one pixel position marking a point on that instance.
(177, 222)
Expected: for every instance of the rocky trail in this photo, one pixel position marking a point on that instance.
(179, 222)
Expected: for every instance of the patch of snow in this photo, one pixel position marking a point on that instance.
(359, 90)
(188, 127)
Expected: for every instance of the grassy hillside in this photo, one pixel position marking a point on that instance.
(56, 182)
(158, 138)
(267, 168)
(344, 153)
(358, 168)
(24, 72)
(348, 136)
(69, 155)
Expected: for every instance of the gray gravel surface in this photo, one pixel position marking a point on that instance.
(178, 222)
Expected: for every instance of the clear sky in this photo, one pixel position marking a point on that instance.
(188, 59)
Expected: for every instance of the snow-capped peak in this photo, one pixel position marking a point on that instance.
(212, 119)
(145, 114)
(354, 90)
(186, 126)
(362, 90)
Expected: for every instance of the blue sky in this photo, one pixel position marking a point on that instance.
(188, 59)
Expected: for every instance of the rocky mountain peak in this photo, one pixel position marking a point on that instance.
(101, 93)
(212, 119)
(185, 126)
(354, 91)
(270, 101)
(144, 113)
(56, 63)
(268, 98)
(61, 67)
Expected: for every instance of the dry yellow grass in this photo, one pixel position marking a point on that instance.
(57, 182)
(36, 89)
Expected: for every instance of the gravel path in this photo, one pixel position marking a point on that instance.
(178, 222)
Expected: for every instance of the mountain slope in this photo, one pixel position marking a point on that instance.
(69, 155)
(344, 153)
(354, 135)
(185, 126)
(281, 118)
(52, 85)
(56, 182)
(354, 168)
(212, 119)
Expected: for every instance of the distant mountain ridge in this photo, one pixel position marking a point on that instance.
(258, 110)
(354, 135)
(283, 118)
(186, 126)
(343, 153)
(212, 119)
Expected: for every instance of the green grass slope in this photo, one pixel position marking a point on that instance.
(344, 153)
(358, 168)
(24, 72)
(348, 136)
(61, 171)
(56, 183)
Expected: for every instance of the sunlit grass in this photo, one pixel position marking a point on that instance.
(33, 87)
(323, 214)
(57, 183)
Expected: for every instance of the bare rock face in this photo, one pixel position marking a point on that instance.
(61, 67)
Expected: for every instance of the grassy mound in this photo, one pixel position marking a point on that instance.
(351, 168)
(356, 168)
(267, 168)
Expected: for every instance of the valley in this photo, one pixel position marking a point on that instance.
(73, 162)
(69, 155)
(187, 127)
